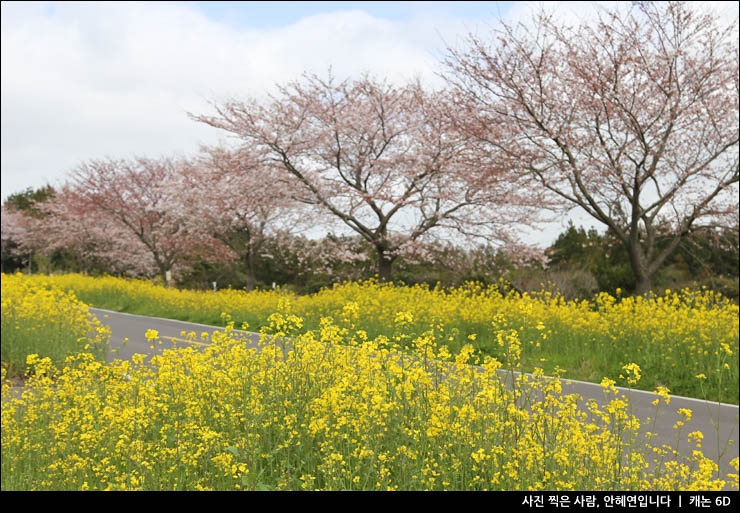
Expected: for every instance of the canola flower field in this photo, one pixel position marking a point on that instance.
(344, 405)
(44, 319)
(673, 338)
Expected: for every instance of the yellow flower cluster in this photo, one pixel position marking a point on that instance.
(40, 319)
(633, 373)
(330, 409)
(672, 339)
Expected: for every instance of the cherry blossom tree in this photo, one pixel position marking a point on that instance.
(632, 118)
(298, 259)
(68, 224)
(129, 199)
(19, 211)
(384, 161)
(12, 232)
(231, 202)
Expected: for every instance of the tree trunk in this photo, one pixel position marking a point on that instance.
(162, 266)
(251, 281)
(249, 267)
(641, 271)
(163, 276)
(643, 284)
(385, 265)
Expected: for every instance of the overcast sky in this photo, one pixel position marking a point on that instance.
(93, 80)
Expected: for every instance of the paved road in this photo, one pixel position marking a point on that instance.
(705, 413)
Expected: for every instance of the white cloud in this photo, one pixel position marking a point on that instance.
(82, 81)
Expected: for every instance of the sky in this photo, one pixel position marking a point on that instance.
(91, 80)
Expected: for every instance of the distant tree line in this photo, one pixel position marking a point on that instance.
(578, 264)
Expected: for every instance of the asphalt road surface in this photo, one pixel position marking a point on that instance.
(133, 327)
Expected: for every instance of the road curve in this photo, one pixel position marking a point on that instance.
(705, 414)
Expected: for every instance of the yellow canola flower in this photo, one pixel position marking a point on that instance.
(340, 402)
(633, 373)
(40, 318)
(686, 413)
(697, 437)
(608, 385)
(687, 328)
(664, 393)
